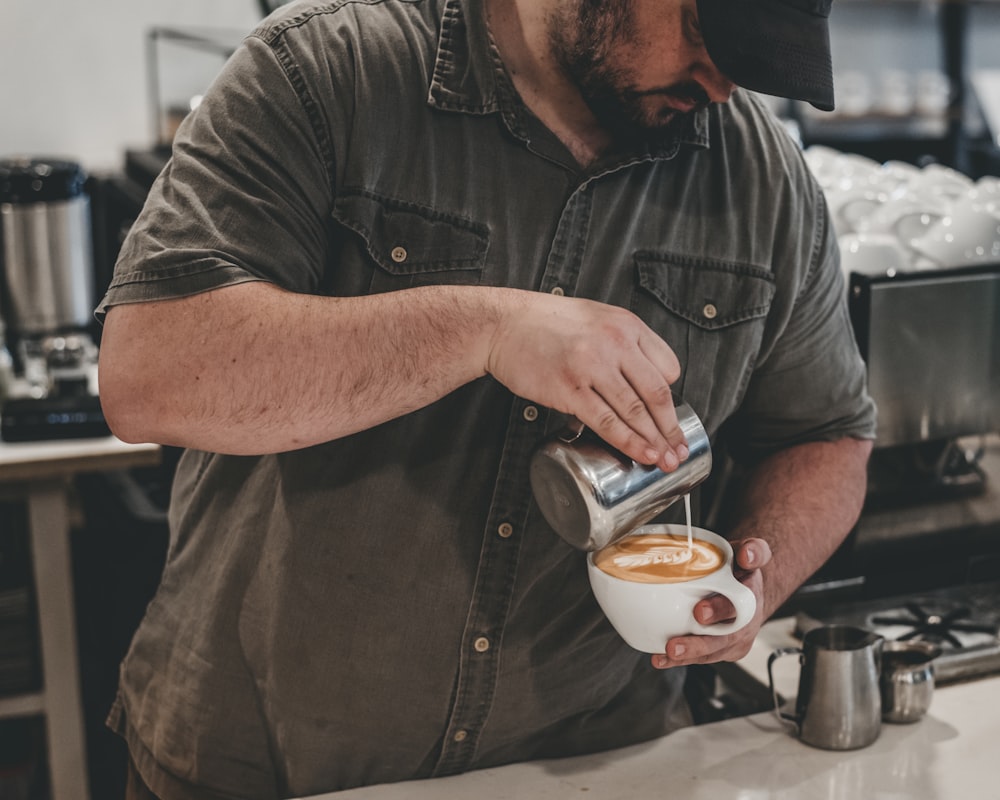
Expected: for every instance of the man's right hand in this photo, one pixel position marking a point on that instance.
(597, 362)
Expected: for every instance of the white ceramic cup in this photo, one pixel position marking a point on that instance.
(821, 160)
(986, 193)
(646, 615)
(849, 208)
(855, 94)
(874, 254)
(895, 176)
(856, 169)
(902, 170)
(969, 234)
(895, 93)
(932, 93)
(906, 216)
(937, 180)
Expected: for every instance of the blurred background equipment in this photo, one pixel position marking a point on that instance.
(47, 296)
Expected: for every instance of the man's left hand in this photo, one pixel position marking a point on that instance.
(751, 556)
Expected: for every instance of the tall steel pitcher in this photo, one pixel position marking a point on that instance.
(839, 702)
(593, 495)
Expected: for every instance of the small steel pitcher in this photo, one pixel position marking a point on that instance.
(839, 704)
(907, 680)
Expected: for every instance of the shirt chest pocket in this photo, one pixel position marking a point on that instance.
(712, 314)
(411, 245)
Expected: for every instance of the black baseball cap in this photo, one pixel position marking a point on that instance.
(777, 47)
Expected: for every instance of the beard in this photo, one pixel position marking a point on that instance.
(584, 45)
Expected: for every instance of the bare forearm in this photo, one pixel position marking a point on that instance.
(803, 501)
(252, 368)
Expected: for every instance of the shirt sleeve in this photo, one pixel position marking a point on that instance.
(245, 196)
(810, 384)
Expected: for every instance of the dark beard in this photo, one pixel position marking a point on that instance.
(582, 46)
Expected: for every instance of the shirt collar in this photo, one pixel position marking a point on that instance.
(468, 76)
(464, 77)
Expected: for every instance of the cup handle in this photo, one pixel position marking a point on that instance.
(906, 217)
(781, 715)
(745, 602)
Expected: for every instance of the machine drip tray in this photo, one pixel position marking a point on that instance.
(32, 420)
(929, 472)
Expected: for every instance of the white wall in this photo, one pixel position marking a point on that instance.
(73, 79)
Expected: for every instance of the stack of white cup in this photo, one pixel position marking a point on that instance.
(896, 217)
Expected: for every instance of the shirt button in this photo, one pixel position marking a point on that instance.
(558, 291)
(399, 254)
(710, 311)
(506, 530)
(482, 644)
(460, 736)
(530, 413)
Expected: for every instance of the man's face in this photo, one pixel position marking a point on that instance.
(640, 65)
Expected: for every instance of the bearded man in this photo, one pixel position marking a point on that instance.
(397, 245)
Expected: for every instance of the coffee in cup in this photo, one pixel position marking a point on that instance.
(659, 558)
(649, 582)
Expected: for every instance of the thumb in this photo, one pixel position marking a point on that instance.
(752, 553)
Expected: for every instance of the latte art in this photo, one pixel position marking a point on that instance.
(659, 558)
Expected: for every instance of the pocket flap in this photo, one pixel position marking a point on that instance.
(407, 239)
(710, 294)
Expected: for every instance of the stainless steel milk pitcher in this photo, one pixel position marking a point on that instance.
(839, 704)
(593, 495)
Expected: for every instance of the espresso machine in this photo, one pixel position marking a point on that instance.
(931, 517)
(931, 343)
(46, 302)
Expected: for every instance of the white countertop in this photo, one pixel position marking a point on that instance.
(953, 752)
(45, 459)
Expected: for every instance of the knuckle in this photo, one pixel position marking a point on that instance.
(606, 421)
(634, 409)
(581, 350)
(622, 325)
(575, 384)
(661, 395)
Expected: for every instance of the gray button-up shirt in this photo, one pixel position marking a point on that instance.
(392, 604)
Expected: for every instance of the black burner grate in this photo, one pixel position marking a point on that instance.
(931, 626)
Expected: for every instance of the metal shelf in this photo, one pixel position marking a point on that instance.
(876, 127)
(947, 134)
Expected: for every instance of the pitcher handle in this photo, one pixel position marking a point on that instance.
(783, 716)
(572, 431)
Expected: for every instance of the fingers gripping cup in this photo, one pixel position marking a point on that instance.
(648, 583)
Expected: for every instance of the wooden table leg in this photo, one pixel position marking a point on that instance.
(48, 519)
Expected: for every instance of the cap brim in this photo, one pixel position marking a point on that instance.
(770, 46)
